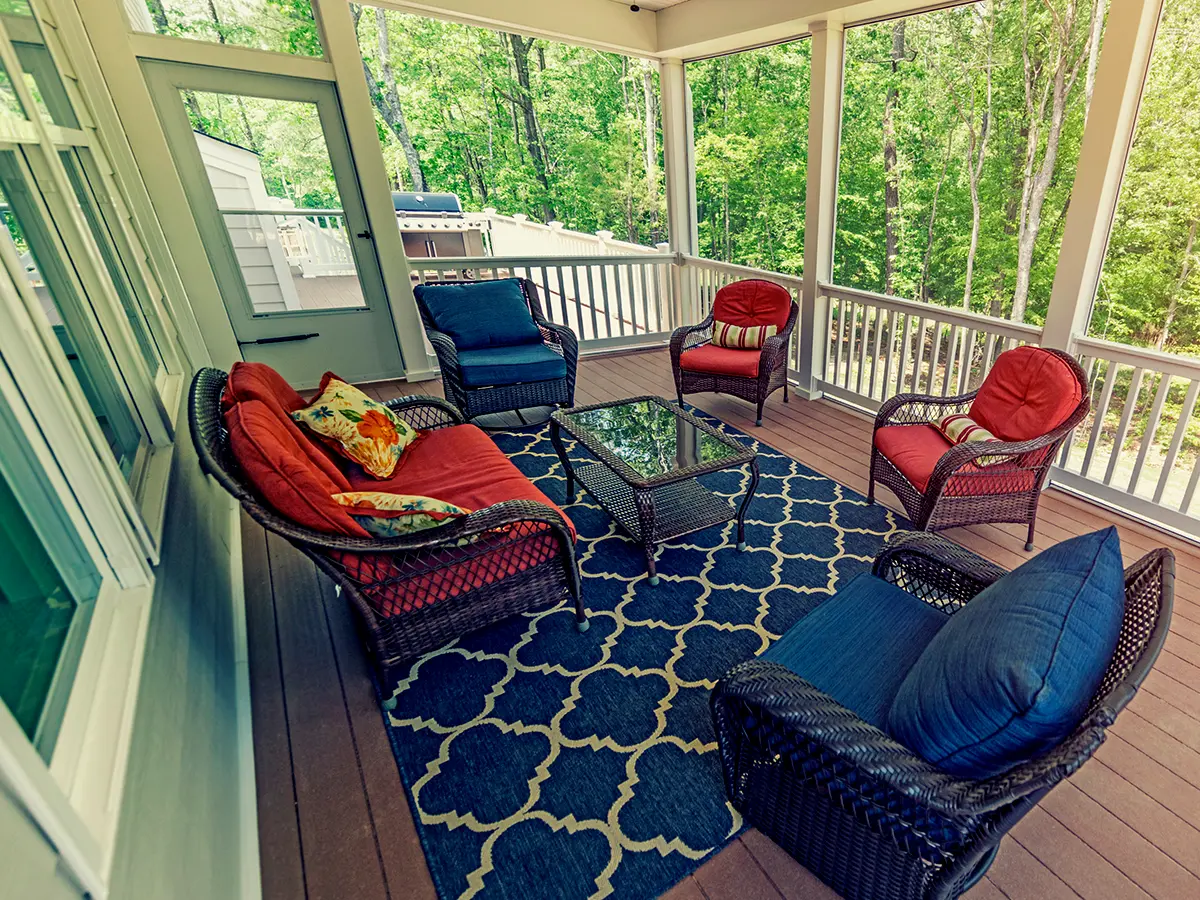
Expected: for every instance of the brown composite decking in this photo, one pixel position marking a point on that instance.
(333, 815)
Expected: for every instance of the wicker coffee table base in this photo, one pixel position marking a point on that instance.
(656, 514)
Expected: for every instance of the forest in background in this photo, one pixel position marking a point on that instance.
(960, 137)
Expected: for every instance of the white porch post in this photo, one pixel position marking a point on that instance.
(1124, 57)
(679, 175)
(824, 125)
(342, 52)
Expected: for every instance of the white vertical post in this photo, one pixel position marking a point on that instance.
(1120, 74)
(824, 124)
(679, 174)
(342, 52)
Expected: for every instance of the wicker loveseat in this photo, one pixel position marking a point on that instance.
(514, 551)
(844, 797)
(495, 347)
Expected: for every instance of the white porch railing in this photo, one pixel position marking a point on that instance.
(607, 301)
(880, 346)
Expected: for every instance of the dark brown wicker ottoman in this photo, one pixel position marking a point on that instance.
(648, 455)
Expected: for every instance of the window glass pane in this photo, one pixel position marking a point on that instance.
(9, 104)
(93, 215)
(68, 314)
(751, 116)
(286, 26)
(1149, 291)
(42, 619)
(959, 142)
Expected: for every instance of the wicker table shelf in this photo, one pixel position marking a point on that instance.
(647, 456)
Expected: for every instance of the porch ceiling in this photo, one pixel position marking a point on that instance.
(665, 29)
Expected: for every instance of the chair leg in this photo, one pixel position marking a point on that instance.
(785, 392)
(680, 395)
(1029, 537)
(871, 479)
(758, 421)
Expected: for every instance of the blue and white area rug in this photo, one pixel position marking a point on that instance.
(545, 763)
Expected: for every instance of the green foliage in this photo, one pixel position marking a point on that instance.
(283, 25)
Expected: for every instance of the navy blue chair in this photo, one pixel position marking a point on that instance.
(891, 738)
(496, 349)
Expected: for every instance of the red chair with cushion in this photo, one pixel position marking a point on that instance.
(752, 370)
(1027, 405)
(512, 552)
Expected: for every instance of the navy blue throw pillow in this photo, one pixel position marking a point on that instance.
(481, 314)
(1011, 674)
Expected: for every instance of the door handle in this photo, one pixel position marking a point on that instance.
(363, 234)
(283, 339)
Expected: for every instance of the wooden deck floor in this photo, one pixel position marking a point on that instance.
(333, 816)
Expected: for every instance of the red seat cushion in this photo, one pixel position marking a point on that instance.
(463, 466)
(916, 449)
(282, 472)
(721, 360)
(259, 382)
(1028, 393)
(913, 449)
(753, 302)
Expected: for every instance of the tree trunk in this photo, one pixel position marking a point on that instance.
(923, 291)
(891, 188)
(385, 95)
(1184, 271)
(1037, 177)
(159, 16)
(520, 54)
(651, 148)
(1089, 83)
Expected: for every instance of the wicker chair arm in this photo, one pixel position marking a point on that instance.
(811, 716)
(935, 569)
(685, 337)
(966, 453)
(912, 409)
(774, 352)
(425, 413)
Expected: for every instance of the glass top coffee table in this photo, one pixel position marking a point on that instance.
(647, 454)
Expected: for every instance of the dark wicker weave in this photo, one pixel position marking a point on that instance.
(369, 570)
(959, 492)
(772, 365)
(479, 401)
(862, 812)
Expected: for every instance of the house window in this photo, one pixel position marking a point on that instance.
(286, 26)
(959, 142)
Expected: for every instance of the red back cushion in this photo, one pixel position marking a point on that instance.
(282, 473)
(753, 302)
(1028, 393)
(258, 381)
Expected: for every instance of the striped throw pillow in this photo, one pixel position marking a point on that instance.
(738, 337)
(959, 428)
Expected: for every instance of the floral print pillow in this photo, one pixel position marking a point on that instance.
(395, 515)
(361, 429)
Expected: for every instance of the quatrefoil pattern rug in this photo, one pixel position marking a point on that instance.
(545, 763)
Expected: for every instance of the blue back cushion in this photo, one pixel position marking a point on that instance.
(1011, 674)
(859, 644)
(483, 314)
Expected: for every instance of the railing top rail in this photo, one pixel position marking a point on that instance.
(1140, 357)
(282, 212)
(946, 314)
(702, 262)
(442, 263)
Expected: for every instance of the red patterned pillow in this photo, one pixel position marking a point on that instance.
(959, 428)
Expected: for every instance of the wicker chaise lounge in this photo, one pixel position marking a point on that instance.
(415, 593)
(862, 811)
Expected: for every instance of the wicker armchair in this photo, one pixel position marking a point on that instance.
(771, 364)
(960, 491)
(479, 580)
(862, 812)
(478, 400)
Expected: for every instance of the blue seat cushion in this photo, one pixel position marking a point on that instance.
(495, 366)
(1012, 673)
(481, 314)
(859, 644)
